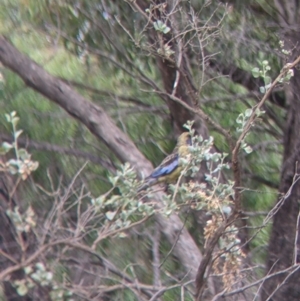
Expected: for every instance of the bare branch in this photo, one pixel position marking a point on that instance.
(104, 128)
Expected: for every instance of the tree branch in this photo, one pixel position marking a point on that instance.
(104, 128)
(27, 143)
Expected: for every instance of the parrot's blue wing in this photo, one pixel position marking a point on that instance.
(170, 168)
(166, 167)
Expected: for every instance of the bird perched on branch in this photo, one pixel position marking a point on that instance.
(170, 168)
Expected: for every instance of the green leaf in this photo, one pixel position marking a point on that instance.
(215, 157)
(49, 276)
(28, 270)
(15, 120)
(248, 149)
(166, 29)
(110, 215)
(268, 86)
(7, 146)
(208, 177)
(259, 112)
(99, 201)
(22, 289)
(7, 116)
(23, 154)
(40, 266)
(265, 62)
(160, 26)
(255, 72)
(18, 133)
(14, 162)
(113, 180)
(240, 118)
(248, 112)
(268, 80)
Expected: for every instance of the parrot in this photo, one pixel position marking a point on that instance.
(169, 170)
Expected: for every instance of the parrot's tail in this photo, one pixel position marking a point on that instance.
(148, 182)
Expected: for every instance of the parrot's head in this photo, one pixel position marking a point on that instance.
(184, 139)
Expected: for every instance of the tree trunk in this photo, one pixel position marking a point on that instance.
(284, 242)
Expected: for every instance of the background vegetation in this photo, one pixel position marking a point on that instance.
(116, 82)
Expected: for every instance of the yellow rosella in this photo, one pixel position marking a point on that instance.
(170, 168)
